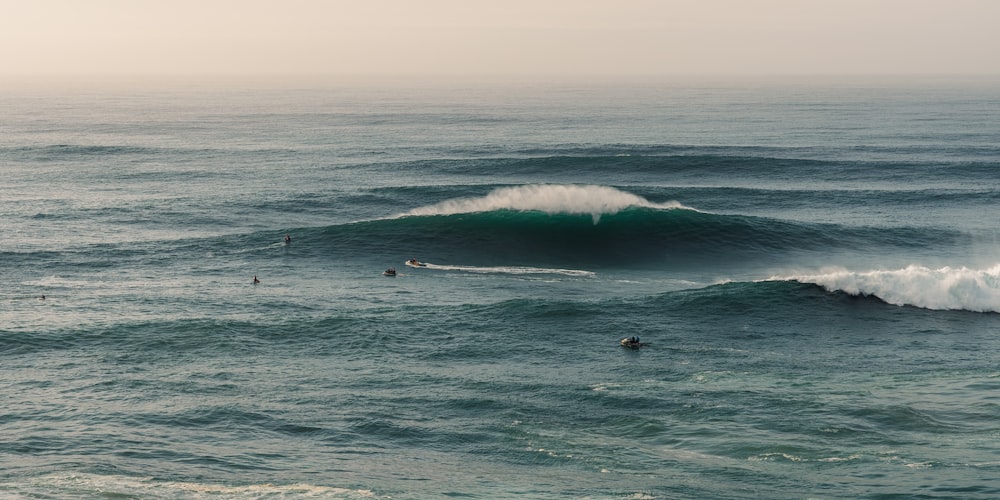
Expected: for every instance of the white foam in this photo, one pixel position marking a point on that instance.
(548, 198)
(946, 288)
(102, 485)
(57, 282)
(508, 270)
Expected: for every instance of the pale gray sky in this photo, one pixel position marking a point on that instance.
(500, 37)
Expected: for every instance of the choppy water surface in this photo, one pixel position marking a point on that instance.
(813, 269)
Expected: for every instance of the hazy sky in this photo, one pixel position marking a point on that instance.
(502, 37)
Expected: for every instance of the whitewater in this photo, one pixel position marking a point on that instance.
(946, 288)
(551, 199)
(813, 269)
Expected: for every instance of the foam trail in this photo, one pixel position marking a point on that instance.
(508, 270)
(946, 288)
(99, 486)
(548, 198)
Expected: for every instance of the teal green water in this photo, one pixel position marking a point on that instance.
(814, 269)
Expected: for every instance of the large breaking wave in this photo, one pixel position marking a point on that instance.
(551, 199)
(945, 288)
(600, 225)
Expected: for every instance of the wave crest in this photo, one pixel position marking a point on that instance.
(946, 288)
(551, 199)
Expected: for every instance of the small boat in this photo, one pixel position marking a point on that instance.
(389, 272)
(415, 263)
(632, 343)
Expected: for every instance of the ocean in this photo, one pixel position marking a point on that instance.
(811, 265)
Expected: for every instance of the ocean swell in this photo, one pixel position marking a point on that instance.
(591, 225)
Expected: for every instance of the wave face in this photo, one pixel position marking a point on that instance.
(604, 226)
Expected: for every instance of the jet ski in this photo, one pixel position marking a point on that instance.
(415, 263)
(389, 272)
(632, 343)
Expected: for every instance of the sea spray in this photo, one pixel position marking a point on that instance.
(551, 199)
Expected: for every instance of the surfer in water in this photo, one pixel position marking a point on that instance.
(255, 280)
(288, 239)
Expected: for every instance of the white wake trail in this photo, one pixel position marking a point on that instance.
(508, 270)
